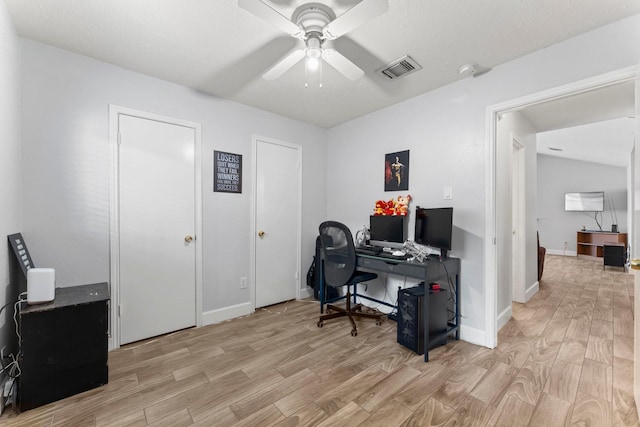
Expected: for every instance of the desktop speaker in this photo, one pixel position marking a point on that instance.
(410, 321)
(41, 285)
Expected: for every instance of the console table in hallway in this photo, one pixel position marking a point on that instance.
(592, 242)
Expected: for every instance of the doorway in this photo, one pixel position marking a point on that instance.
(155, 205)
(277, 224)
(494, 266)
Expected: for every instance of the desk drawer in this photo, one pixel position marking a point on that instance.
(393, 267)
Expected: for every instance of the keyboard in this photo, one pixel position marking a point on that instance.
(377, 251)
(369, 250)
(389, 255)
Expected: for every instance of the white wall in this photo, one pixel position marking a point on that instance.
(445, 150)
(9, 159)
(558, 176)
(514, 126)
(445, 131)
(65, 100)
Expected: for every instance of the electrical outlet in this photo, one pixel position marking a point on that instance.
(243, 283)
(7, 387)
(8, 395)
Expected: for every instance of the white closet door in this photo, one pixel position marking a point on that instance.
(157, 218)
(277, 222)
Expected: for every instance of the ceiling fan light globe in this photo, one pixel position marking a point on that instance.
(313, 62)
(313, 58)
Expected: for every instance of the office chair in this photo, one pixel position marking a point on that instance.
(338, 269)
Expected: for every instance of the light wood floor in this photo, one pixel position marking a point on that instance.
(564, 359)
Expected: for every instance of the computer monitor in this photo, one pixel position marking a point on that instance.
(387, 231)
(434, 227)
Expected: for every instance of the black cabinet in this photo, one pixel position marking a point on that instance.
(614, 254)
(64, 345)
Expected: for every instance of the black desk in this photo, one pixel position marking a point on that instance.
(432, 270)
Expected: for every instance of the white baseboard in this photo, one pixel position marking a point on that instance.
(239, 310)
(561, 252)
(222, 314)
(306, 292)
(472, 335)
(531, 291)
(504, 317)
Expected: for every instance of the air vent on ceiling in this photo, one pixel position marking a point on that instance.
(400, 68)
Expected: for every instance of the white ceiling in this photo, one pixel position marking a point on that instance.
(595, 126)
(608, 142)
(216, 47)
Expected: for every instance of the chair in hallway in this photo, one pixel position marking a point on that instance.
(541, 253)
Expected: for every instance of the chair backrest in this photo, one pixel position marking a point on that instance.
(338, 253)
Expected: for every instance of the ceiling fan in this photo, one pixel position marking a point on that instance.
(315, 24)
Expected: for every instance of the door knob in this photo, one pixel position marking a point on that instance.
(261, 233)
(188, 238)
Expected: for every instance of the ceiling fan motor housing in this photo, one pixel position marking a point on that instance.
(313, 17)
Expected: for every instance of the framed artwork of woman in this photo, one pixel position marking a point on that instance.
(396, 171)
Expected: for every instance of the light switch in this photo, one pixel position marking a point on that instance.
(448, 192)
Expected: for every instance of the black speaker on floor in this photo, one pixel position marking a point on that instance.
(410, 317)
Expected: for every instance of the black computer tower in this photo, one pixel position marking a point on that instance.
(410, 317)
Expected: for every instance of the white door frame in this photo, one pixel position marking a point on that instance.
(254, 213)
(492, 114)
(519, 219)
(114, 226)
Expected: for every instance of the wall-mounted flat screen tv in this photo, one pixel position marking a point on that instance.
(591, 201)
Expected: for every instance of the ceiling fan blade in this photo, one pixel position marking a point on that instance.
(342, 64)
(272, 16)
(359, 14)
(281, 67)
